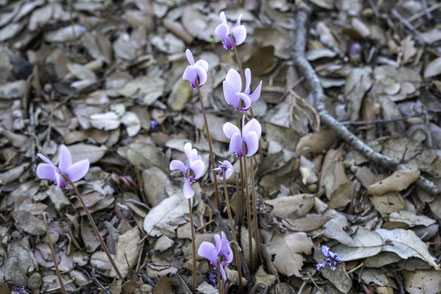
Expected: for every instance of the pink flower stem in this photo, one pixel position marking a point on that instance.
(233, 231)
(256, 223)
(94, 227)
(51, 246)
(213, 164)
(247, 199)
(193, 245)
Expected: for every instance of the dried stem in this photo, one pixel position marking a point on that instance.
(193, 244)
(94, 227)
(299, 45)
(63, 289)
(255, 217)
(233, 231)
(247, 199)
(209, 145)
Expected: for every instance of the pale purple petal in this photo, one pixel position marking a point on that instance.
(236, 144)
(201, 74)
(190, 74)
(189, 56)
(202, 63)
(177, 164)
(44, 158)
(256, 94)
(252, 142)
(228, 167)
(218, 243)
(247, 81)
(222, 31)
(208, 251)
(198, 168)
(253, 126)
(246, 101)
(230, 130)
(64, 159)
(230, 94)
(47, 171)
(233, 77)
(224, 275)
(226, 250)
(222, 17)
(188, 190)
(325, 250)
(78, 170)
(187, 150)
(239, 33)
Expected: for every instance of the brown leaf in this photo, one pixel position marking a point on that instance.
(315, 142)
(163, 286)
(291, 206)
(307, 223)
(398, 181)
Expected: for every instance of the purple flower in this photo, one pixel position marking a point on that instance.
(193, 170)
(332, 259)
(250, 136)
(195, 73)
(227, 166)
(75, 171)
(222, 250)
(233, 90)
(239, 32)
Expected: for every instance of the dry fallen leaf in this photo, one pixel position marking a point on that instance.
(127, 251)
(291, 206)
(287, 250)
(433, 68)
(400, 180)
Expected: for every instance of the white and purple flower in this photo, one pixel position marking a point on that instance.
(196, 72)
(193, 170)
(332, 259)
(248, 138)
(75, 171)
(233, 94)
(238, 32)
(222, 252)
(225, 166)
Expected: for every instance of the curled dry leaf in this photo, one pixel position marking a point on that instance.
(127, 251)
(410, 218)
(315, 142)
(291, 206)
(406, 244)
(287, 250)
(400, 180)
(365, 243)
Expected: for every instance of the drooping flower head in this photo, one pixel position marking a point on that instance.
(193, 170)
(248, 138)
(225, 166)
(75, 171)
(196, 72)
(221, 251)
(233, 94)
(332, 259)
(238, 32)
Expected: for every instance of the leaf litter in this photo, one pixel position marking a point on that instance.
(110, 88)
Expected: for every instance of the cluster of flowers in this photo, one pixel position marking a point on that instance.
(243, 142)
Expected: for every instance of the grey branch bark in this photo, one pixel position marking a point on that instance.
(312, 79)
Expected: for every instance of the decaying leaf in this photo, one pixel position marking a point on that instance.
(127, 251)
(422, 281)
(398, 181)
(286, 251)
(406, 244)
(291, 206)
(365, 243)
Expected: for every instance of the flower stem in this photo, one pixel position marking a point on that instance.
(193, 244)
(233, 231)
(94, 227)
(209, 145)
(63, 289)
(256, 222)
(247, 199)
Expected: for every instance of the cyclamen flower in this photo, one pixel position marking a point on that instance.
(238, 32)
(75, 171)
(233, 90)
(227, 166)
(222, 250)
(332, 259)
(249, 136)
(195, 73)
(193, 170)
